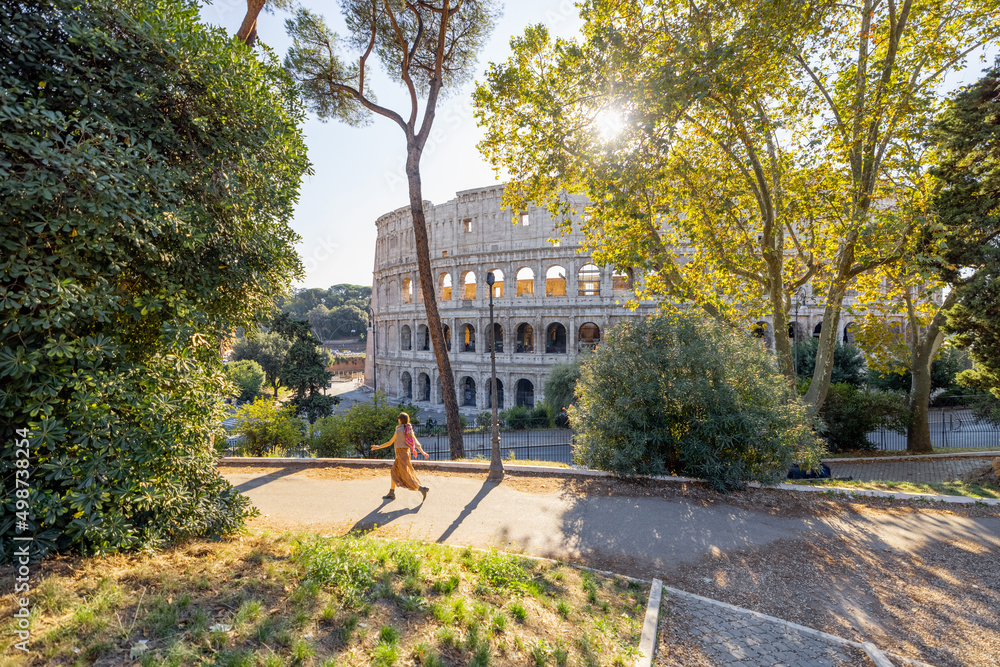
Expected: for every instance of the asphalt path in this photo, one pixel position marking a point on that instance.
(638, 535)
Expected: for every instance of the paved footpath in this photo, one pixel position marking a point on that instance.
(925, 470)
(729, 637)
(647, 536)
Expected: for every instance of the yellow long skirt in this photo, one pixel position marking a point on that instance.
(402, 472)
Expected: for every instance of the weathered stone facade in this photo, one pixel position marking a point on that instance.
(550, 302)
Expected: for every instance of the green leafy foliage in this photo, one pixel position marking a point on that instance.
(248, 377)
(265, 425)
(848, 362)
(850, 414)
(304, 370)
(968, 203)
(678, 394)
(355, 431)
(944, 372)
(149, 166)
(561, 385)
(269, 350)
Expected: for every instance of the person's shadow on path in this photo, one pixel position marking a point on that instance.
(377, 517)
(488, 486)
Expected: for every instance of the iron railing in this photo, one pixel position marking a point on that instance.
(950, 427)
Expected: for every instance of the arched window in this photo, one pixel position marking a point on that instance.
(447, 337)
(489, 395)
(590, 336)
(497, 341)
(423, 387)
(525, 393)
(621, 281)
(763, 330)
(818, 330)
(589, 280)
(555, 339)
(525, 282)
(444, 286)
(525, 338)
(555, 281)
(467, 392)
(407, 290)
(849, 333)
(497, 283)
(469, 285)
(391, 336)
(406, 385)
(423, 337)
(405, 339)
(468, 338)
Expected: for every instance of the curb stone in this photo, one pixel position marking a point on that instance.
(647, 641)
(467, 466)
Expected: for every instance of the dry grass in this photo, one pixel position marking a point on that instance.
(303, 599)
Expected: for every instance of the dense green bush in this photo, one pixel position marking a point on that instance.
(520, 418)
(850, 414)
(848, 362)
(265, 425)
(561, 385)
(682, 395)
(360, 427)
(269, 350)
(248, 377)
(149, 167)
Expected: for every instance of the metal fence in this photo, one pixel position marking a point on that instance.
(536, 445)
(950, 427)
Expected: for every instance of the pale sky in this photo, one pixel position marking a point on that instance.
(359, 171)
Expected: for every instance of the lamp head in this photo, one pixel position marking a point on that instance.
(490, 279)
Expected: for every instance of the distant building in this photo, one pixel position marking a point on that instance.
(550, 302)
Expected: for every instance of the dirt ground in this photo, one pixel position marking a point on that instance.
(938, 605)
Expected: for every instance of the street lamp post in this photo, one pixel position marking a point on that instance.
(496, 466)
(371, 319)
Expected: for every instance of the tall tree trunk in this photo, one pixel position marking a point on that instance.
(918, 435)
(827, 345)
(430, 302)
(779, 324)
(248, 29)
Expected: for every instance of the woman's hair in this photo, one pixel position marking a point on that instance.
(404, 418)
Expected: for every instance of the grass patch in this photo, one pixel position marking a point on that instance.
(941, 488)
(301, 599)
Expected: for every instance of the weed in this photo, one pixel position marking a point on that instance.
(442, 612)
(563, 608)
(540, 653)
(161, 620)
(480, 610)
(446, 586)
(385, 655)
(447, 637)
(426, 656)
(481, 655)
(498, 623)
(561, 655)
(411, 585)
(329, 612)
(267, 629)
(517, 611)
(459, 613)
(237, 659)
(412, 603)
(273, 660)
(302, 650)
(248, 611)
(388, 635)
(503, 571)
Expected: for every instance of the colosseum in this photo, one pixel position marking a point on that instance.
(551, 302)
